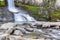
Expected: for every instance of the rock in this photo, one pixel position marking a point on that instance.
(3, 36)
(13, 37)
(46, 25)
(56, 27)
(33, 39)
(8, 25)
(33, 35)
(10, 31)
(29, 29)
(18, 32)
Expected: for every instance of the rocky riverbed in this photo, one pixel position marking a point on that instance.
(27, 31)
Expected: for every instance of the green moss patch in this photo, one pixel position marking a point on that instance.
(34, 9)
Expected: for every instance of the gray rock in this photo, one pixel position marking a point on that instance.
(18, 32)
(8, 25)
(29, 29)
(13, 37)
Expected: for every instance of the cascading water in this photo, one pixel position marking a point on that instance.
(11, 6)
(19, 15)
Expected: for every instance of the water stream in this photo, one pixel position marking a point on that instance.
(19, 15)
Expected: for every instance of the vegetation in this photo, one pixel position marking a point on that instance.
(46, 12)
(2, 3)
(49, 13)
(55, 16)
(34, 9)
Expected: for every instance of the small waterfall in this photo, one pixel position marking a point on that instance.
(19, 15)
(11, 6)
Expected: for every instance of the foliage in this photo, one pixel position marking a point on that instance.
(2, 3)
(55, 15)
(34, 9)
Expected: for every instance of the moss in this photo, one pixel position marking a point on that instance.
(34, 9)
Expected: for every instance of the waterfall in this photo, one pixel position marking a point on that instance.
(11, 6)
(19, 15)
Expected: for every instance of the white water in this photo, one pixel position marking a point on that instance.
(11, 6)
(19, 15)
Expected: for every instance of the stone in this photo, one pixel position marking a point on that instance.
(46, 25)
(33, 39)
(56, 27)
(18, 32)
(13, 37)
(3, 36)
(29, 29)
(8, 25)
